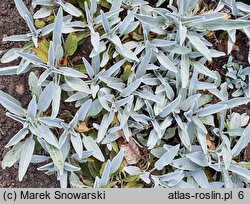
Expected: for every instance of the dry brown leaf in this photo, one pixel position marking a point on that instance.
(132, 153)
(119, 134)
(210, 144)
(82, 127)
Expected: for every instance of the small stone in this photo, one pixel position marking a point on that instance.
(1, 24)
(4, 12)
(240, 57)
(20, 89)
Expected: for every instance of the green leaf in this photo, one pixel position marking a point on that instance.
(244, 164)
(39, 23)
(70, 46)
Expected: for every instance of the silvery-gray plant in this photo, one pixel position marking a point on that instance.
(237, 78)
(168, 88)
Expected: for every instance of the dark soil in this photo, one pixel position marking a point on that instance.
(11, 23)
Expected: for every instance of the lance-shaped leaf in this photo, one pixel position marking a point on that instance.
(5, 71)
(17, 137)
(167, 158)
(44, 132)
(170, 107)
(57, 34)
(69, 72)
(25, 158)
(90, 70)
(105, 175)
(9, 56)
(56, 100)
(240, 171)
(116, 161)
(204, 70)
(212, 109)
(185, 164)
(56, 156)
(72, 10)
(242, 142)
(90, 145)
(51, 54)
(43, 12)
(105, 22)
(200, 46)
(29, 57)
(45, 97)
(12, 156)
(198, 157)
(235, 102)
(114, 68)
(166, 62)
(83, 111)
(141, 70)
(126, 23)
(201, 178)
(132, 170)
(95, 40)
(185, 65)
(131, 88)
(77, 144)
(78, 85)
(201, 136)
(184, 134)
(39, 159)
(56, 122)
(106, 121)
(33, 85)
(32, 108)
(199, 124)
(22, 9)
(225, 24)
(11, 104)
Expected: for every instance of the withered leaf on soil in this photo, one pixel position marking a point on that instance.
(132, 153)
(82, 127)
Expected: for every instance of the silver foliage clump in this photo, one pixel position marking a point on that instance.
(237, 78)
(168, 92)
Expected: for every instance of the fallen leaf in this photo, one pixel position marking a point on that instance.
(64, 62)
(210, 144)
(82, 127)
(70, 45)
(115, 121)
(42, 50)
(132, 153)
